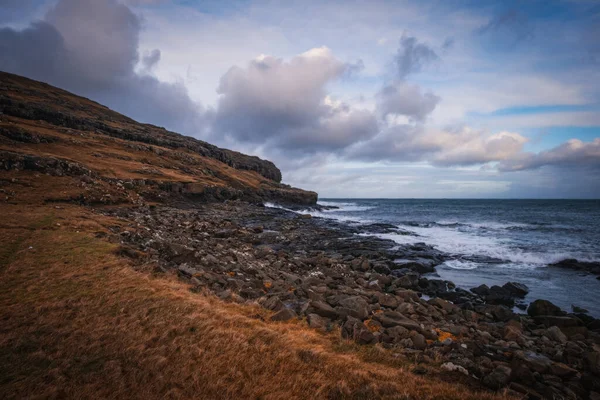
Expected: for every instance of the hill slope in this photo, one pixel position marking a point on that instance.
(53, 131)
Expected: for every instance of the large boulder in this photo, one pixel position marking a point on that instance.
(354, 306)
(323, 309)
(544, 307)
(516, 289)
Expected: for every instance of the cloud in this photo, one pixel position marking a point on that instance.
(412, 56)
(11, 10)
(400, 98)
(91, 48)
(573, 153)
(511, 23)
(284, 104)
(449, 147)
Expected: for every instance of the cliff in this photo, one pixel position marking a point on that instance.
(50, 130)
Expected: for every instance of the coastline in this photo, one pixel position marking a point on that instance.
(323, 271)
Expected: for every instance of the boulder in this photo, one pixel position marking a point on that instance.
(323, 309)
(390, 319)
(419, 341)
(387, 300)
(516, 289)
(355, 306)
(499, 377)
(481, 290)
(554, 333)
(544, 307)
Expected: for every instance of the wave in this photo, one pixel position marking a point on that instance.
(328, 214)
(464, 244)
(344, 207)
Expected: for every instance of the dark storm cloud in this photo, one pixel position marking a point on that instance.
(284, 105)
(91, 48)
(413, 56)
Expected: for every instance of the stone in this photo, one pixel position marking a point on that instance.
(543, 308)
(448, 366)
(323, 309)
(593, 361)
(499, 378)
(443, 304)
(284, 315)
(419, 341)
(387, 300)
(536, 362)
(392, 318)
(562, 370)
(354, 329)
(355, 306)
(561, 322)
(516, 289)
(319, 323)
(554, 333)
(481, 290)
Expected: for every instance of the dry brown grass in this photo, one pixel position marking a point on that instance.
(78, 322)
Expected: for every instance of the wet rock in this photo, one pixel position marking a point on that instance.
(544, 307)
(481, 290)
(516, 289)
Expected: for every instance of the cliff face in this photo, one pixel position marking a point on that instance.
(49, 130)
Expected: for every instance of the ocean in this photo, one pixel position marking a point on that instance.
(495, 241)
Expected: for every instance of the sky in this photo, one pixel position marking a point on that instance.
(352, 99)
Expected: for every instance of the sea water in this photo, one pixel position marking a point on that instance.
(495, 241)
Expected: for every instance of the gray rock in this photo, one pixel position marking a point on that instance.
(516, 289)
(544, 307)
(419, 341)
(499, 378)
(323, 309)
(355, 306)
(554, 333)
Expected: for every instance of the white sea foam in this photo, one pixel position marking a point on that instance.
(453, 241)
(344, 207)
(329, 214)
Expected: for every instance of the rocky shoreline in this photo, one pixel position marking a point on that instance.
(373, 290)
